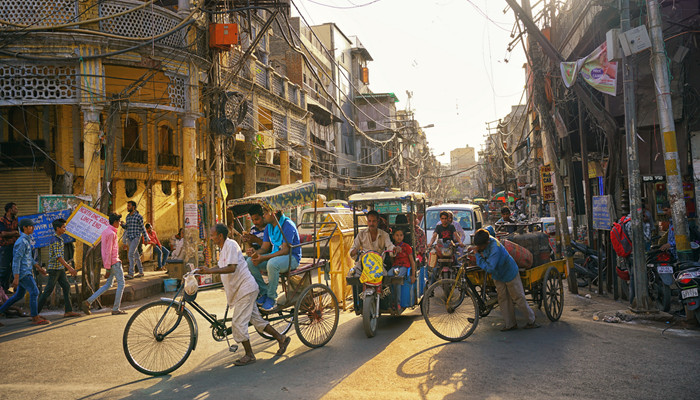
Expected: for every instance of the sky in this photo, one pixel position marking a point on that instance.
(444, 51)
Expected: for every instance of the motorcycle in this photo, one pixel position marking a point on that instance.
(442, 260)
(370, 264)
(660, 269)
(588, 270)
(688, 280)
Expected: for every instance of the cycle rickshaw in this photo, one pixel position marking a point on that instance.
(452, 307)
(160, 336)
(399, 210)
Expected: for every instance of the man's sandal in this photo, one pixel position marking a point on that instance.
(242, 361)
(283, 346)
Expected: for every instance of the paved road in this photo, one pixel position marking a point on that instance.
(573, 358)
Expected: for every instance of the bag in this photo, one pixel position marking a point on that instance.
(372, 268)
(621, 242)
(191, 285)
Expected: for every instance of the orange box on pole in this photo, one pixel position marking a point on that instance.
(223, 36)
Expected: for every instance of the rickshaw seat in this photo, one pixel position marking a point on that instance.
(305, 265)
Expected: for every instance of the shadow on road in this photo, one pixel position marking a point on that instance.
(124, 385)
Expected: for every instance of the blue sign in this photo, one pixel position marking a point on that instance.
(43, 228)
(602, 215)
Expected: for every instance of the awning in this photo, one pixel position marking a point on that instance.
(321, 113)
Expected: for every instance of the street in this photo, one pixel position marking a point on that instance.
(576, 357)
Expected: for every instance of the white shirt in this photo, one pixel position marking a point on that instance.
(241, 282)
(364, 241)
(177, 248)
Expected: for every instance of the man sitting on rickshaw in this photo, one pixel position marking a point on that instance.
(493, 258)
(371, 238)
(274, 256)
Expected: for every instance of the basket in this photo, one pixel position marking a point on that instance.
(170, 284)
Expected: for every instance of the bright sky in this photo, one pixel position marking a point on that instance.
(444, 51)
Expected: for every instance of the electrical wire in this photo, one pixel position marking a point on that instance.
(344, 7)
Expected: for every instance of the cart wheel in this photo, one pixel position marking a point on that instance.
(369, 315)
(279, 321)
(316, 315)
(553, 294)
(454, 321)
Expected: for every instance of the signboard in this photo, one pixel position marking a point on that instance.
(59, 202)
(87, 224)
(267, 175)
(224, 189)
(191, 215)
(43, 228)
(602, 212)
(653, 178)
(547, 185)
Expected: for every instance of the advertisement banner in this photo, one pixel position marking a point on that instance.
(43, 227)
(547, 185)
(595, 69)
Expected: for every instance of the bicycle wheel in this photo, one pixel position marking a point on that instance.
(454, 321)
(316, 315)
(149, 351)
(281, 325)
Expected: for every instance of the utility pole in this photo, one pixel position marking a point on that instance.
(641, 295)
(544, 113)
(584, 167)
(674, 183)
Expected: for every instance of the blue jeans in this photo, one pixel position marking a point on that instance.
(403, 271)
(274, 266)
(26, 284)
(134, 256)
(118, 273)
(161, 254)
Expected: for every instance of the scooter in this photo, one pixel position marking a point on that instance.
(688, 280)
(660, 270)
(442, 261)
(589, 269)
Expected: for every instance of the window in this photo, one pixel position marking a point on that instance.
(371, 125)
(165, 139)
(131, 134)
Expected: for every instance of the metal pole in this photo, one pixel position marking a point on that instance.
(584, 166)
(641, 302)
(674, 183)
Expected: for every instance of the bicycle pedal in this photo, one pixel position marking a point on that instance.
(233, 348)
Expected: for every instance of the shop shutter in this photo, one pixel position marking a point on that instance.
(22, 186)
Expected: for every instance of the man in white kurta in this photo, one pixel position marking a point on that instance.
(241, 292)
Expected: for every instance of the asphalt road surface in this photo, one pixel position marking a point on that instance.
(576, 357)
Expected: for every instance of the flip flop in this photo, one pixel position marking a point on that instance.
(71, 315)
(41, 322)
(241, 363)
(283, 346)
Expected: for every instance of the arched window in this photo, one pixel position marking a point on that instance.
(131, 134)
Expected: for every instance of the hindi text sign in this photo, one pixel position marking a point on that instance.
(602, 212)
(43, 227)
(547, 185)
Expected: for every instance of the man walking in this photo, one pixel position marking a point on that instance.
(134, 232)
(57, 270)
(9, 233)
(493, 258)
(113, 266)
(241, 291)
(22, 262)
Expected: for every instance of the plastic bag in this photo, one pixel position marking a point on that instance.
(191, 285)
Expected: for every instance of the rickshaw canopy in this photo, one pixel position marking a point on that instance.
(385, 196)
(280, 198)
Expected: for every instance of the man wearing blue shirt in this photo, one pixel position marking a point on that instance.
(274, 256)
(493, 258)
(22, 264)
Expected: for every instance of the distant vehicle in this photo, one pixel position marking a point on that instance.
(338, 204)
(549, 225)
(468, 216)
(306, 229)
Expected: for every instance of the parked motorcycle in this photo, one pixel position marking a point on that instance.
(660, 268)
(688, 280)
(442, 261)
(588, 270)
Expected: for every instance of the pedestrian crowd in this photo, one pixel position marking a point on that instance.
(18, 261)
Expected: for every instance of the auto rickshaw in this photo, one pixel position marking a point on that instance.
(371, 298)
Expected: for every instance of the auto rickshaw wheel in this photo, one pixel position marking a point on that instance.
(369, 315)
(316, 315)
(553, 294)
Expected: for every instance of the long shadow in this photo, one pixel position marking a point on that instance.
(294, 374)
(26, 329)
(123, 385)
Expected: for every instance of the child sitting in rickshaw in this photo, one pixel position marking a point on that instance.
(404, 263)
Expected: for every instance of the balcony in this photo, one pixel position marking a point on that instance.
(134, 155)
(168, 160)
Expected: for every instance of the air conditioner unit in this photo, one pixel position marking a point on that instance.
(269, 157)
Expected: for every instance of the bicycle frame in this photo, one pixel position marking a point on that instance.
(463, 279)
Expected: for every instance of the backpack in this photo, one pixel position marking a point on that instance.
(621, 242)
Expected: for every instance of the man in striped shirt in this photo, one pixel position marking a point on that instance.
(57, 270)
(134, 231)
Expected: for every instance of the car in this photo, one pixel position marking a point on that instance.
(306, 228)
(469, 217)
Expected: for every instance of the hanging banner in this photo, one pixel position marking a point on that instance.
(594, 69)
(547, 185)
